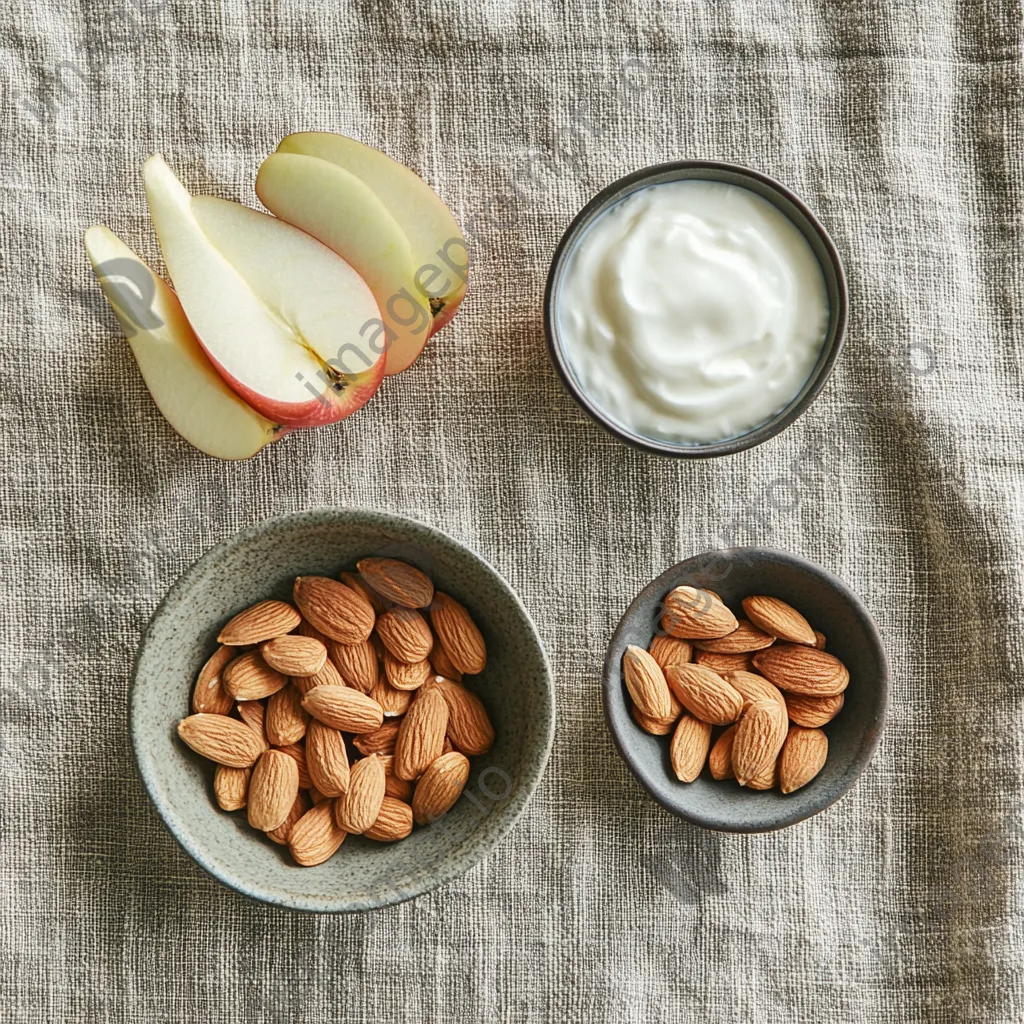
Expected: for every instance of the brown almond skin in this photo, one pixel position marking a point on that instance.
(744, 638)
(249, 677)
(315, 837)
(209, 697)
(813, 712)
(795, 668)
(344, 708)
(285, 719)
(294, 655)
(400, 789)
(689, 749)
(263, 621)
(705, 694)
(358, 584)
(819, 640)
(421, 735)
(394, 703)
(358, 809)
(667, 649)
(803, 756)
(326, 759)
(339, 612)
(404, 676)
(692, 614)
(779, 619)
(281, 834)
(298, 752)
(439, 787)
(469, 726)
(753, 686)
(759, 738)
(397, 581)
(720, 758)
(357, 664)
(378, 741)
(646, 683)
(655, 726)
(327, 676)
(253, 713)
(393, 823)
(272, 790)
(223, 740)
(459, 634)
(405, 633)
(442, 664)
(231, 787)
(769, 780)
(724, 663)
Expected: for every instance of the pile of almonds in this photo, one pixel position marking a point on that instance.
(767, 677)
(352, 663)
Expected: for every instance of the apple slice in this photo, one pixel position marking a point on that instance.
(434, 235)
(336, 207)
(288, 324)
(182, 380)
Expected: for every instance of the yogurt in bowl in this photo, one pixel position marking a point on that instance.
(695, 309)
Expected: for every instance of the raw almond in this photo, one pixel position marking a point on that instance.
(689, 747)
(298, 752)
(230, 786)
(327, 676)
(401, 789)
(819, 640)
(758, 740)
(442, 664)
(744, 638)
(769, 780)
(655, 726)
(667, 649)
(209, 697)
(315, 796)
(403, 676)
(779, 619)
(802, 670)
(378, 741)
(339, 612)
(326, 759)
(803, 755)
(249, 677)
(421, 735)
(357, 664)
(261, 622)
(720, 758)
(397, 581)
(754, 687)
(405, 633)
(357, 810)
(221, 739)
(272, 790)
(285, 719)
(294, 655)
(469, 726)
(705, 694)
(358, 584)
(722, 663)
(254, 714)
(692, 614)
(393, 702)
(306, 628)
(461, 639)
(394, 821)
(646, 683)
(315, 837)
(813, 712)
(343, 708)
(282, 833)
(439, 787)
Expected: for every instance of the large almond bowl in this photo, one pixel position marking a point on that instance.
(262, 562)
(833, 609)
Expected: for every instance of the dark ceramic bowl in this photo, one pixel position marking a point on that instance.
(780, 197)
(833, 609)
(262, 562)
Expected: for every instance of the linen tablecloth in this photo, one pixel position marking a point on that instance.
(900, 124)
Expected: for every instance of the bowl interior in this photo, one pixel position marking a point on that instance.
(262, 562)
(780, 197)
(851, 636)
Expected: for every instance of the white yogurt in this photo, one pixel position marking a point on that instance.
(692, 311)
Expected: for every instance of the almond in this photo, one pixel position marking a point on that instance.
(298, 752)
(656, 726)
(813, 712)
(405, 633)
(397, 581)
(802, 670)
(357, 664)
(403, 676)
(803, 755)
(261, 622)
(282, 833)
(401, 789)
(306, 628)
(221, 739)
(758, 740)
(819, 640)
(461, 639)
(315, 796)
(469, 726)
(442, 664)
(294, 655)
(249, 677)
(439, 787)
(253, 713)
(357, 810)
(392, 702)
(720, 758)
(769, 780)
(285, 719)
(753, 687)
(722, 663)
(358, 584)
(339, 612)
(343, 708)
(327, 676)
(230, 786)
(315, 837)
(421, 735)
(705, 694)
(744, 638)
(378, 741)
(667, 649)
(779, 619)
(692, 614)
(689, 747)
(272, 790)
(646, 683)
(326, 759)
(394, 821)
(209, 697)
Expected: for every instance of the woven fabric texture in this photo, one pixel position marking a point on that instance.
(901, 126)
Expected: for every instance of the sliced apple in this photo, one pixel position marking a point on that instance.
(438, 246)
(183, 382)
(285, 321)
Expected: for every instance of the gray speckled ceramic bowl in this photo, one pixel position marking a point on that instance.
(262, 562)
(833, 609)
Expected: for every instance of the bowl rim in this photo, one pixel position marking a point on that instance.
(612, 686)
(835, 336)
(473, 852)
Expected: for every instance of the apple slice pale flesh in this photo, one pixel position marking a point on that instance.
(333, 205)
(434, 234)
(278, 313)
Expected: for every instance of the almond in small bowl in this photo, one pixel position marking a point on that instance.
(746, 689)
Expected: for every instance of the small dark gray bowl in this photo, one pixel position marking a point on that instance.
(779, 196)
(262, 562)
(833, 609)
